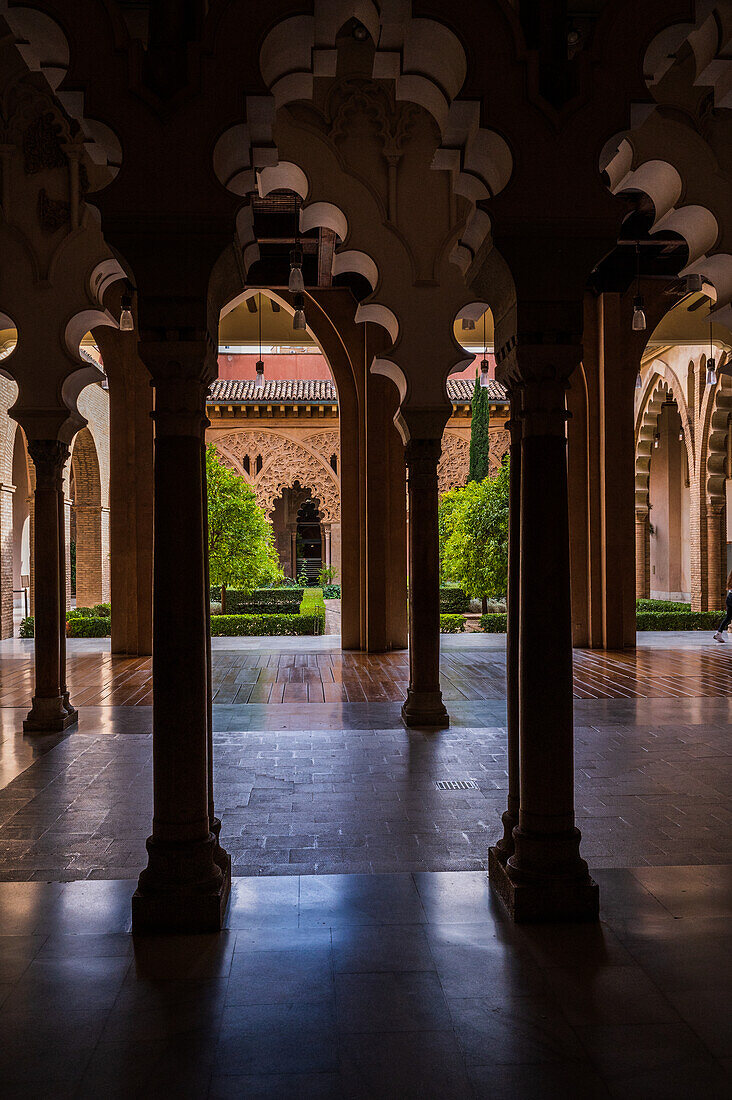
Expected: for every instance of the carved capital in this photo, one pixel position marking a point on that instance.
(422, 456)
(180, 406)
(537, 374)
(49, 458)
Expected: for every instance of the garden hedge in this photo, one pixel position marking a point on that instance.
(260, 601)
(452, 624)
(331, 592)
(309, 620)
(27, 627)
(453, 600)
(493, 623)
(661, 605)
(97, 627)
(677, 620)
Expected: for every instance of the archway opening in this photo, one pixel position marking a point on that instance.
(85, 526)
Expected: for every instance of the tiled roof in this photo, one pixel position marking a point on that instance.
(298, 391)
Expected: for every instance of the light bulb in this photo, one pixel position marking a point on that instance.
(639, 320)
(296, 284)
(126, 320)
(259, 380)
(484, 379)
(711, 372)
(468, 324)
(638, 381)
(681, 435)
(298, 321)
(656, 440)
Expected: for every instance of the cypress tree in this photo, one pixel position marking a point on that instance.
(479, 432)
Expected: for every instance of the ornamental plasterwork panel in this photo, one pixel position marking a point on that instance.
(284, 461)
(325, 443)
(500, 443)
(454, 464)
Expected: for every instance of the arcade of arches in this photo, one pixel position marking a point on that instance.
(296, 231)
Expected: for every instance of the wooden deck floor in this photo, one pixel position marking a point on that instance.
(100, 679)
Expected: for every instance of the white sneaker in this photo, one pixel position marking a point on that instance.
(718, 637)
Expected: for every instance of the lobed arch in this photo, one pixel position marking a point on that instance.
(715, 420)
(661, 385)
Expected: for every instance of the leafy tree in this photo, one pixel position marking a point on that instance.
(241, 548)
(479, 432)
(474, 536)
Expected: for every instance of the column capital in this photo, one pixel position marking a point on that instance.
(49, 458)
(182, 371)
(537, 375)
(422, 456)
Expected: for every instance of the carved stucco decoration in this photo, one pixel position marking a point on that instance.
(325, 443)
(284, 461)
(500, 443)
(454, 464)
(43, 144)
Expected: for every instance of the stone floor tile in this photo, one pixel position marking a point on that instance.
(366, 949)
(406, 1065)
(390, 1001)
(359, 899)
(542, 1081)
(624, 1051)
(518, 1031)
(293, 1038)
(278, 1086)
(708, 1012)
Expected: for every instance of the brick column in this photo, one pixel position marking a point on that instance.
(423, 705)
(6, 560)
(183, 887)
(716, 573)
(48, 712)
(642, 555)
(88, 554)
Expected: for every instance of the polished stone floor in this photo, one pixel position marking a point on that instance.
(364, 955)
(371, 986)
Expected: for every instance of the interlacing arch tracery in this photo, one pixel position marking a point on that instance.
(715, 419)
(285, 461)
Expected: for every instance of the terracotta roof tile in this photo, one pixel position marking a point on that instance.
(299, 391)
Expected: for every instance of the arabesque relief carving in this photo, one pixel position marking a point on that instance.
(285, 461)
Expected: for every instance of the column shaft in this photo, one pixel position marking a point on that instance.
(48, 712)
(70, 710)
(182, 888)
(423, 705)
(642, 556)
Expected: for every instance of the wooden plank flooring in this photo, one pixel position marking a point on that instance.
(333, 677)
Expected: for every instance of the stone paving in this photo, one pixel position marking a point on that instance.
(362, 798)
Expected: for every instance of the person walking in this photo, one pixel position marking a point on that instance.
(727, 617)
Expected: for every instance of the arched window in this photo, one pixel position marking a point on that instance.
(258, 464)
(334, 463)
(245, 463)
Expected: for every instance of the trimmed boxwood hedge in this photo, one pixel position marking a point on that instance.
(309, 620)
(452, 624)
(661, 605)
(677, 620)
(97, 627)
(260, 601)
(493, 623)
(453, 600)
(233, 626)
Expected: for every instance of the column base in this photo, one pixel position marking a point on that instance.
(425, 708)
(49, 716)
(544, 902)
(171, 898)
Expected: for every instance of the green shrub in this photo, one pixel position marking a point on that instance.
(102, 610)
(453, 600)
(313, 605)
(493, 624)
(234, 626)
(80, 613)
(98, 627)
(331, 592)
(27, 627)
(661, 605)
(260, 601)
(451, 624)
(677, 620)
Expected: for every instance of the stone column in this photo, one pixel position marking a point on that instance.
(293, 550)
(182, 888)
(642, 557)
(423, 705)
(545, 878)
(62, 556)
(510, 817)
(326, 544)
(7, 595)
(48, 712)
